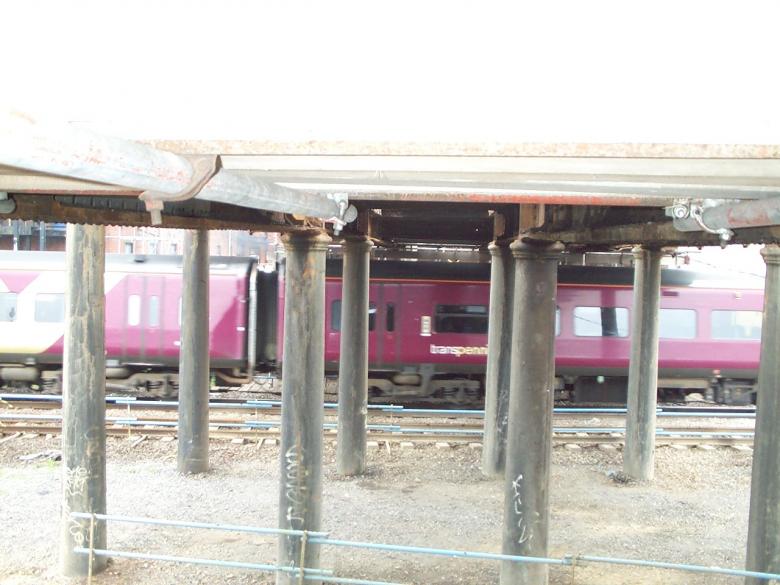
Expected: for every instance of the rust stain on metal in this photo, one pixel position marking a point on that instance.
(388, 148)
(46, 208)
(551, 198)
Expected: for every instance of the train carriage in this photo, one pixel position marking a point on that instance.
(428, 332)
(428, 326)
(143, 318)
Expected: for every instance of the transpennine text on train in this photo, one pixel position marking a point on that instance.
(459, 350)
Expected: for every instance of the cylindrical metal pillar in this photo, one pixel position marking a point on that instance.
(529, 437)
(193, 433)
(502, 279)
(639, 451)
(353, 358)
(84, 400)
(303, 392)
(763, 545)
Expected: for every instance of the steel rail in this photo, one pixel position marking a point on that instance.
(252, 432)
(433, 428)
(390, 409)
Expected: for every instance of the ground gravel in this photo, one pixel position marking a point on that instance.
(694, 512)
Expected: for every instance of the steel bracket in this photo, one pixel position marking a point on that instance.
(7, 204)
(203, 167)
(347, 212)
(688, 216)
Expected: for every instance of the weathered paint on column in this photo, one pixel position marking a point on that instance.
(502, 279)
(193, 433)
(529, 437)
(639, 451)
(303, 392)
(84, 398)
(763, 546)
(353, 358)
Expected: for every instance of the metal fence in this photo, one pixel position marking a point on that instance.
(327, 576)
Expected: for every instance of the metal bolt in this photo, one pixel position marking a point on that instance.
(680, 211)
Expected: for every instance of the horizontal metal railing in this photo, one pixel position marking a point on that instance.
(322, 538)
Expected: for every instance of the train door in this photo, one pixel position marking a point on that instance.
(375, 340)
(133, 330)
(388, 324)
(153, 310)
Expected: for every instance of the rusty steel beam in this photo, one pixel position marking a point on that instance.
(479, 193)
(82, 154)
(746, 214)
(220, 217)
(651, 233)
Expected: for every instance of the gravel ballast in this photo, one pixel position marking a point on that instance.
(694, 512)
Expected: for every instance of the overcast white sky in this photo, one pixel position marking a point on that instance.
(733, 262)
(596, 71)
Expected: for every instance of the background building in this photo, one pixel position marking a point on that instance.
(33, 235)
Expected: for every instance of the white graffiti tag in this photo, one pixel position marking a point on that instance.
(75, 487)
(294, 487)
(517, 502)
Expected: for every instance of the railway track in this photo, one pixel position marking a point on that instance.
(272, 407)
(259, 433)
(259, 420)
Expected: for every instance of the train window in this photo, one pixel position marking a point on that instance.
(390, 317)
(134, 310)
(461, 319)
(50, 308)
(7, 306)
(677, 324)
(600, 322)
(736, 324)
(154, 311)
(335, 316)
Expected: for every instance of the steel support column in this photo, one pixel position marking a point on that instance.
(502, 279)
(303, 390)
(353, 358)
(529, 437)
(639, 451)
(763, 546)
(193, 433)
(84, 400)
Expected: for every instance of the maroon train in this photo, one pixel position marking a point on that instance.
(428, 333)
(428, 327)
